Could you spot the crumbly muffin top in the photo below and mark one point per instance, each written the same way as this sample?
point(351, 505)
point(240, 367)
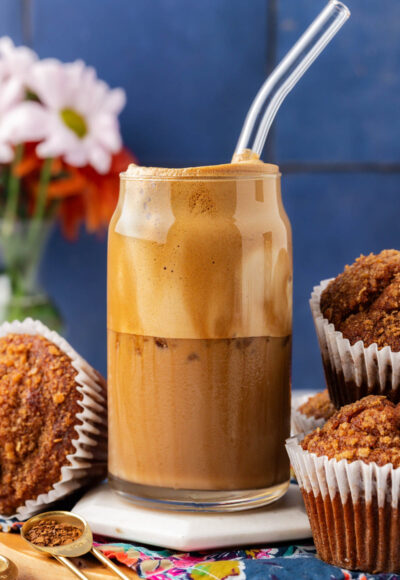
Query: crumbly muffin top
point(368, 429)
point(38, 407)
point(318, 406)
point(363, 302)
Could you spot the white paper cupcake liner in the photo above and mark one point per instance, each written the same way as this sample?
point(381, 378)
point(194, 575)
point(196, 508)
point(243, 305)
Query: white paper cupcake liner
point(89, 460)
point(352, 508)
point(301, 423)
point(353, 371)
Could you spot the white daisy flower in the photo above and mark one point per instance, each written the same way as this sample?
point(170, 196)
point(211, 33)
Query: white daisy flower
point(20, 120)
point(6, 104)
point(81, 112)
point(15, 65)
point(25, 121)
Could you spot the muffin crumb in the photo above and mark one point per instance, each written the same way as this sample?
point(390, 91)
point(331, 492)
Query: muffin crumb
point(39, 403)
point(363, 302)
point(318, 406)
point(368, 429)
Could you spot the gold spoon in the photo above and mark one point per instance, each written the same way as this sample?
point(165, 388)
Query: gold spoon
point(8, 570)
point(78, 547)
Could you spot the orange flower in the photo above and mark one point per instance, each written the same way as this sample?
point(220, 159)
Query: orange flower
point(75, 194)
point(102, 192)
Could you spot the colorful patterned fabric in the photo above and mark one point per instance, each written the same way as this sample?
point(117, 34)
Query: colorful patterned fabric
point(281, 562)
point(275, 563)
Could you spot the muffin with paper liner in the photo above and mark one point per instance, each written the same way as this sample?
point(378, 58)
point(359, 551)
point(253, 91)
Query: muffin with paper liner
point(311, 411)
point(349, 475)
point(53, 419)
point(357, 319)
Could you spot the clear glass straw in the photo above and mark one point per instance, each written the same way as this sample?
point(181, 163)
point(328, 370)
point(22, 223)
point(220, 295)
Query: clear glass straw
point(288, 72)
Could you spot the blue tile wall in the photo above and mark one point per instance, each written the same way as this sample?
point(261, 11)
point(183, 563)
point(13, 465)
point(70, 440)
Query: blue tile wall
point(347, 106)
point(335, 218)
point(11, 20)
point(190, 70)
point(74, 275)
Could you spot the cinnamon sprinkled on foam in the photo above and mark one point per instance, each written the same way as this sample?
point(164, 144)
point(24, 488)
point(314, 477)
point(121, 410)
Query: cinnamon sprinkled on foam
point(241, 169)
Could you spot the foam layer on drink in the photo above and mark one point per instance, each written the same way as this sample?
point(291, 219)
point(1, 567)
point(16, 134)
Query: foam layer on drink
point(201, 252)
point(249, 167)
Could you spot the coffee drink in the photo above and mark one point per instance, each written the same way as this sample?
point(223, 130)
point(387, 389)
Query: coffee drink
point(199, 336)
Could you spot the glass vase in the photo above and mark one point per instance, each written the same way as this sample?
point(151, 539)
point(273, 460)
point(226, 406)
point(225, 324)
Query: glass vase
point(22, 246)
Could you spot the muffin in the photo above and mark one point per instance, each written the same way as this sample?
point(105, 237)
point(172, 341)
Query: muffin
point(52, 419)
point(349, 475)
point(357, 318)
point(311, 411)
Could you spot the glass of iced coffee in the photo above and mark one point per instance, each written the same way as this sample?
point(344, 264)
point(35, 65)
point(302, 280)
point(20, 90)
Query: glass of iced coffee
point(199, 337)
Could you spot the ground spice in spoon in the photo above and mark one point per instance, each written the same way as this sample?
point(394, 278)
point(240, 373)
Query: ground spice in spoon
point(49, 533)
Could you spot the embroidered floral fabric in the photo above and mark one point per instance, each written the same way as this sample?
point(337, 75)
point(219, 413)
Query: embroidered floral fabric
point(277, 563)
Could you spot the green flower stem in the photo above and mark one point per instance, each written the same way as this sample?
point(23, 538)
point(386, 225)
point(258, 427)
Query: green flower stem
point(11, 208)
point(40, 206)
point(36, 223)
point(45, 175)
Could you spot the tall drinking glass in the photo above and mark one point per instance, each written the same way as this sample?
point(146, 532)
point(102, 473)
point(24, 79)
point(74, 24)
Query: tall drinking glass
point(199, 337)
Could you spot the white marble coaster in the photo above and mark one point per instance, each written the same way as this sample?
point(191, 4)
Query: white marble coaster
point(111, 515)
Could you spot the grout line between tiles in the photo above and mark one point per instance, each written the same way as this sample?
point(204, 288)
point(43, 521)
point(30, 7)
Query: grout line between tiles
point(26, 22)
point(292, 167)
point(272, 35)
point(298, 167)
point(271, 48)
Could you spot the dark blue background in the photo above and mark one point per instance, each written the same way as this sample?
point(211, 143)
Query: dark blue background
point(191, 69)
